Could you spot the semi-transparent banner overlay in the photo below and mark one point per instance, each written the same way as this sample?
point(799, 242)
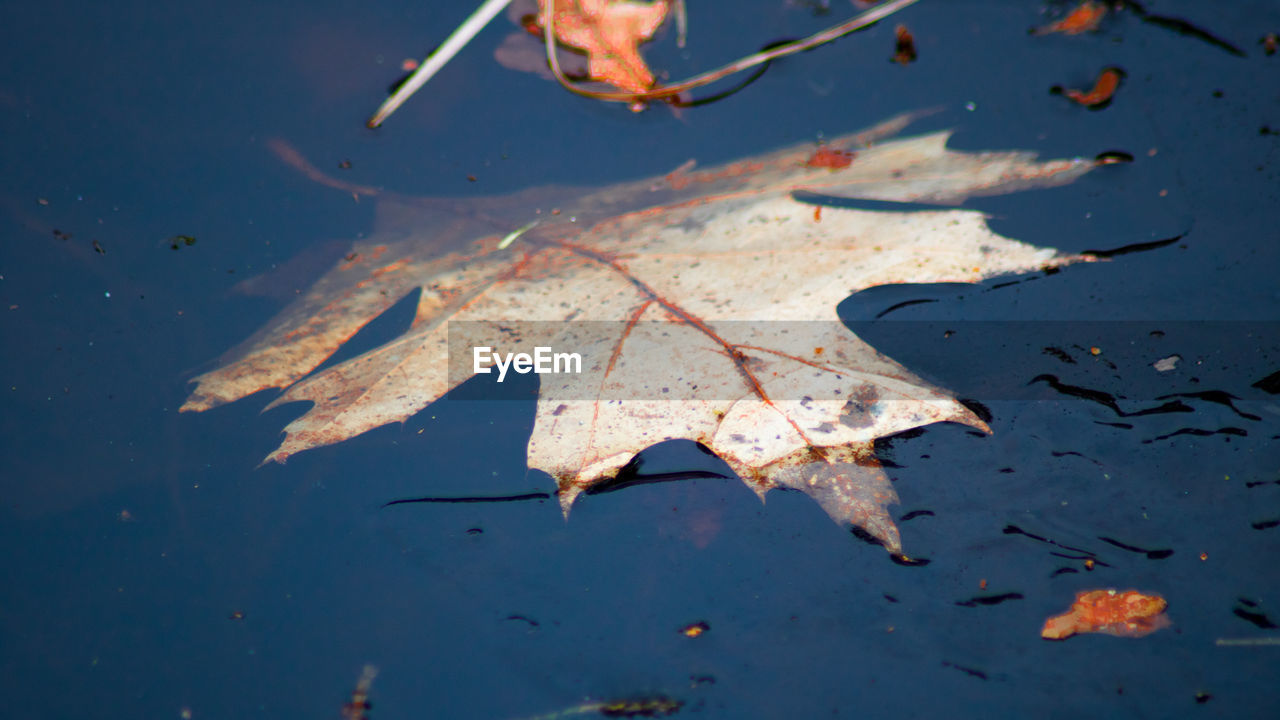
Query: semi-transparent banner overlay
point(792, 361)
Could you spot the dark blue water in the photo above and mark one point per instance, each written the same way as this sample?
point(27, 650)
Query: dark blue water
point(151, 569)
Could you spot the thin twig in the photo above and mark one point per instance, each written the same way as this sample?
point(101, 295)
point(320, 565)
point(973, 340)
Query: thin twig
point(1247, 641)
point(682, 24)
point(637, 100)
point(432, 64)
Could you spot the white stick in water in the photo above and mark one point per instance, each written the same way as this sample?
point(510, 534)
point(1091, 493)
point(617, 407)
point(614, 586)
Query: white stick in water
point(454, 43)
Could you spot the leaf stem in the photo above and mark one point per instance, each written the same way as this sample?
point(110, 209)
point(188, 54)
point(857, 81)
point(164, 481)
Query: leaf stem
point(511, 236)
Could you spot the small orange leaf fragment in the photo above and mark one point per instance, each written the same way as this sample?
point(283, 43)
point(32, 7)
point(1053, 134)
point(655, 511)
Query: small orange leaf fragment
point(1103, 89)
point(1084, 18)
point(1123, 614)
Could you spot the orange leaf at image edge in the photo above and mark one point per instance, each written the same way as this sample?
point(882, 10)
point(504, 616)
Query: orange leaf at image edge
point(610, 32)
point(1084, 18)
point(1110, 612)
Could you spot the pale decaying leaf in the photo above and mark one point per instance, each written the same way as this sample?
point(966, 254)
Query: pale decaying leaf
point(701, 286)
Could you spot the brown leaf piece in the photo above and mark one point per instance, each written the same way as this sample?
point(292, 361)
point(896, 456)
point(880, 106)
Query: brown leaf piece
point(702, 305)
point(610, 32)
point(1123, 614)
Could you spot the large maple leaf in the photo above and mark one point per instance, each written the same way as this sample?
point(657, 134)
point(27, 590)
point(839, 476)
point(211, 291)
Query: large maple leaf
point(703, 306)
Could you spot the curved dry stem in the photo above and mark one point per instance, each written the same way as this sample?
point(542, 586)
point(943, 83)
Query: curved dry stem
point(638, 100)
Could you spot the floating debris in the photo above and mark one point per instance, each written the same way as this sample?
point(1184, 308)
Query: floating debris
point(986, 600)
point(1251, 610)
point(1113, 157)
point(1182, 27)
point(1123, 614)
point(358, 707)
point(1103, 89)
point(905, 51)
point(178, 241)
point(656, 706)
point(1084, 18)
